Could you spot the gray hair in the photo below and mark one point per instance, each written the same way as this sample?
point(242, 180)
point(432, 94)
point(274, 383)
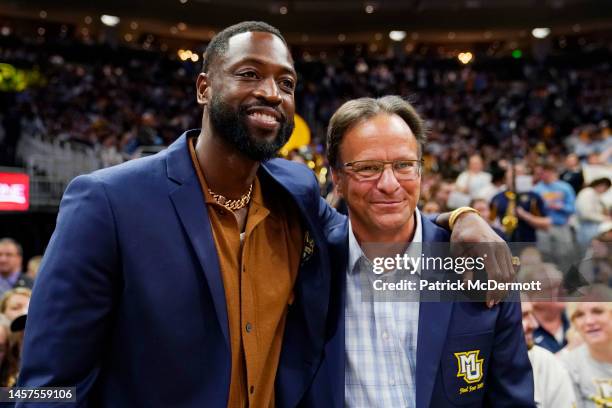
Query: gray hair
point(359, 110)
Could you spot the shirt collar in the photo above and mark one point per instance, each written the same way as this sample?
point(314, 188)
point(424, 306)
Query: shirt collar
point(355, 251)
point(12, 278)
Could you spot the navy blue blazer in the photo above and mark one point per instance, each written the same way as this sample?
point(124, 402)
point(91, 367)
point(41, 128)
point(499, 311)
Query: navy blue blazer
point(129, 304)
point(445, 328)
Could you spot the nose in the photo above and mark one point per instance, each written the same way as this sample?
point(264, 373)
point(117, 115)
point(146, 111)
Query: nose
point(589, 318)
point(268, 91)
point(387, 183)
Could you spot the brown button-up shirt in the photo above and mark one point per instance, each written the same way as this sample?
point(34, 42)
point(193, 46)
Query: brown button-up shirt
point(258, 277)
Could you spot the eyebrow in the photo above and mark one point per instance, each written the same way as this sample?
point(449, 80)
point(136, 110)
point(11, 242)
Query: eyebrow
point(258, 61)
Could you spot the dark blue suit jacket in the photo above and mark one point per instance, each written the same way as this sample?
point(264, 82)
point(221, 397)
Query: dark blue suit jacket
point(129, 304)
point(445, 328)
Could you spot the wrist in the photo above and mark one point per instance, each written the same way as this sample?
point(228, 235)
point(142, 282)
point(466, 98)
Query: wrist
point(460, 212)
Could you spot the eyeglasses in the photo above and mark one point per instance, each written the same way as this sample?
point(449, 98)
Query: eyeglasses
point(368, 170)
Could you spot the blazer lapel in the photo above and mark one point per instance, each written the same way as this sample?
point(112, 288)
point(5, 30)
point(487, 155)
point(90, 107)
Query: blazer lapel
point(314, 285)
point(303, 342)
point(336, 353)
point(434, 319)
point(188, 201)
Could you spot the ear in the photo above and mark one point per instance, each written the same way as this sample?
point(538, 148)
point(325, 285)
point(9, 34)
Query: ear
point(203, 88)
point(338, 180)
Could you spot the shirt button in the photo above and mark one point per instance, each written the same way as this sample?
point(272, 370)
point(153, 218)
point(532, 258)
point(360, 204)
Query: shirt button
point(252, 389)
point(220, 211)
point(249, 327)
point(385, 335)
point(392, 382)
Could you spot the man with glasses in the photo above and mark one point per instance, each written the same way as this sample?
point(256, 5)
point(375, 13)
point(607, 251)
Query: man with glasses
point(412, 353)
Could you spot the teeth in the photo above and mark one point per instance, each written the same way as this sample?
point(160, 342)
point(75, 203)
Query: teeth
point(264, 117)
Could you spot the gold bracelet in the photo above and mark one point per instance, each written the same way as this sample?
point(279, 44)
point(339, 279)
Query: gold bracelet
point(456, 213)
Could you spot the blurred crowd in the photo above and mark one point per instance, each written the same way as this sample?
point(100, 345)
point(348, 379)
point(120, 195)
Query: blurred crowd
point(528, 145)
point(15, 291)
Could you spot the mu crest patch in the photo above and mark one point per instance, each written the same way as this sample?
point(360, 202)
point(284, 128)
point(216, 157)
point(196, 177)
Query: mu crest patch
point(470, 366)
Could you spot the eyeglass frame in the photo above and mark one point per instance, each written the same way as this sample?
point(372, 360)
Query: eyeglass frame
point(419, 168)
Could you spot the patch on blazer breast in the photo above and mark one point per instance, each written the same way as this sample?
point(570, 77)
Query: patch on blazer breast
point(470, 368)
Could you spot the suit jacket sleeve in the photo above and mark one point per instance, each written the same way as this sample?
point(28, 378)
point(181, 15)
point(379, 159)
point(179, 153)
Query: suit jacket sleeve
point(510, 375)
point(71, 307)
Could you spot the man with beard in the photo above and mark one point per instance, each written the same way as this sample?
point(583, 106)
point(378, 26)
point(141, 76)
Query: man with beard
point(174, 280)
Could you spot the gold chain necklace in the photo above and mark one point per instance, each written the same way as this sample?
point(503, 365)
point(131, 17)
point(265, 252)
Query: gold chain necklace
point(236, 204)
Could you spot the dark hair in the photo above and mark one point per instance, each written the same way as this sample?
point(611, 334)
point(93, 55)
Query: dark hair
point(358, 110)
point(218, 45)
point(602, 181)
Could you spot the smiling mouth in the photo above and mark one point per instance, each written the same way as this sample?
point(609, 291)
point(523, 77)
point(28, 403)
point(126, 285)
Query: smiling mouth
point(264, 118)
point(386, 202)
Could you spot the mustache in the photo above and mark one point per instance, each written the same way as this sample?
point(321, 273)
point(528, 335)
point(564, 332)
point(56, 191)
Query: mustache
point(244, 108)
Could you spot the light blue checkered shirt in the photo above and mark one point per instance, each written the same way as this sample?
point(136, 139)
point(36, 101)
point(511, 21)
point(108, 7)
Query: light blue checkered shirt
point(380, 341)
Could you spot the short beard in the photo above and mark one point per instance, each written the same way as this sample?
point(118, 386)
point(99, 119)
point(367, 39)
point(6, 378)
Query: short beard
point(231, 126)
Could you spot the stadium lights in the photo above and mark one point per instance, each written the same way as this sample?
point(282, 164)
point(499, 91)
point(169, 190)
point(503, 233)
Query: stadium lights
point(465, 57)
point(540, 32)
point(110, 21)
point(369, 9)
point(397, 35)
point(185, 55)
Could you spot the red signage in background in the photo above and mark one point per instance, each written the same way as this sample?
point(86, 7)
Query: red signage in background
point(14, 192)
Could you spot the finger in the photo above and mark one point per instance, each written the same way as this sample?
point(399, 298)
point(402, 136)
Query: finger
point(510, 264)
point(468, 275)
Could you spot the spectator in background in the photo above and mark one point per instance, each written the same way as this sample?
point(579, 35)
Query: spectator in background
point(518, 213)
point(552, 383)
point(15, 302)
point(474, 180)
point(482, 206)
point(442, 193)
point(590, 365)
point(552, 325)
point(548, 311)
point(596, 266)
point(33, 265)
point(497, 185)
point(11, 259)
point(431, 207)
point(591, 210)
point(5, 334)
point(557, 242)
point(573, 172)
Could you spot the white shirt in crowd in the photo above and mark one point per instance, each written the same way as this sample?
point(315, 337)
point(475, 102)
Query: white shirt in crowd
point(552, 384)
point(592, 379)
point(473, 184)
